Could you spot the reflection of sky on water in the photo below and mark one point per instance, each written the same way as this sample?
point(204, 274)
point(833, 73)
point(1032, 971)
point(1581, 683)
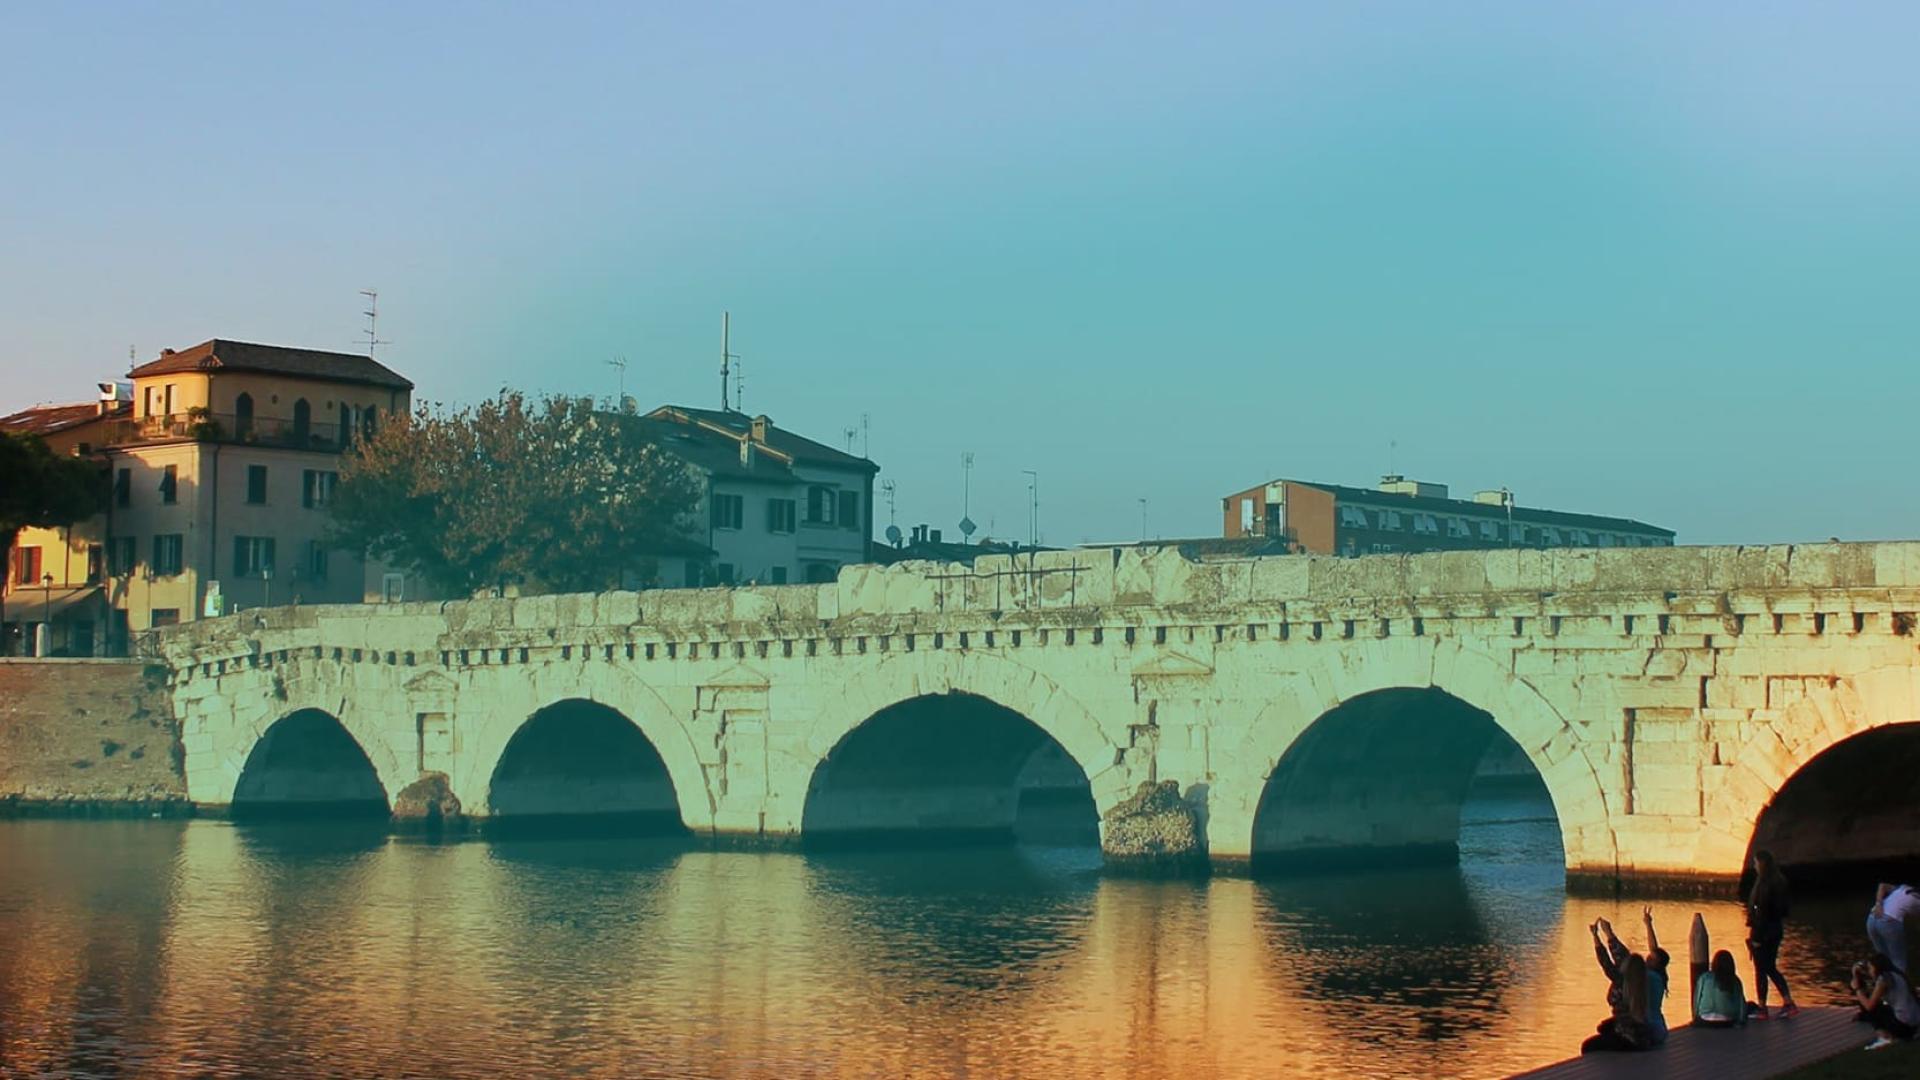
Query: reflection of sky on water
point(209, 949)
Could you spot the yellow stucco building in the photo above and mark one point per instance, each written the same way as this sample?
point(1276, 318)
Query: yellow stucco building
point(222, 465)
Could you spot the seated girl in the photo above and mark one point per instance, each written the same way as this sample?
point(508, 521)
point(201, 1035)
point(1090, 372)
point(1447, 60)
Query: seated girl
point(1718, 998)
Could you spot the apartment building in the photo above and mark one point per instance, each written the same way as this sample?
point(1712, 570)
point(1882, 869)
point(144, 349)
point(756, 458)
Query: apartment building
point(775, 507)
point(222, 464)
point(1404, 515)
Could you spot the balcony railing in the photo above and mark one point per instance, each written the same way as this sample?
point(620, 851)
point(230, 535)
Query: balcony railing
point(227, 428)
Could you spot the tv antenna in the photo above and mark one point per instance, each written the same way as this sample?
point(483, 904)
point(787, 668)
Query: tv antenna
point(866, 435)
point(851, 433)
point(621, 363)
point(1033, 507)
point(967, 526)
point(727, 357)
point(1143, 518)
point(373, 320)
point(887, 489)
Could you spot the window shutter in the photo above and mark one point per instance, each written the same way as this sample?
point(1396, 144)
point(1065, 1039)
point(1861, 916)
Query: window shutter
point(850, 510)
point(239, 555)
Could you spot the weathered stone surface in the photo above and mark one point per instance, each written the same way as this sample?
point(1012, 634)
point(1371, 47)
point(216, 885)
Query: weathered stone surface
point(1155, 829)
point(428, 804)
point(1664, 695)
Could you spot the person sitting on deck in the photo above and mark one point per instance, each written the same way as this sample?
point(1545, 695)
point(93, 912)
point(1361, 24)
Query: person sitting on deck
point(1612, 955)
point(1627, 1028)
point(1718, 998)
point(1887, 1001)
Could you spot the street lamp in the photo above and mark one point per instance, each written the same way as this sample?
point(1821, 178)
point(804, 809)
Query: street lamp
point(46, 614)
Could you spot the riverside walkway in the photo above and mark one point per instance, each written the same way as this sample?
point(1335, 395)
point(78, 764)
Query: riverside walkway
point(1757, 1050)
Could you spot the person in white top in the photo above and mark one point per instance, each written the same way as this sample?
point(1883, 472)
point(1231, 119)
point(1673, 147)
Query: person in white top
point(1887, 922)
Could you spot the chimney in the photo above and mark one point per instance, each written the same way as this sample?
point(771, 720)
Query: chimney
point(760, 426)
point(934, 536)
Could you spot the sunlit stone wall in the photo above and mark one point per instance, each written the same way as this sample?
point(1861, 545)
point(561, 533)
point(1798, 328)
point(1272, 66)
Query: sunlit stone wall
point(1664, 695)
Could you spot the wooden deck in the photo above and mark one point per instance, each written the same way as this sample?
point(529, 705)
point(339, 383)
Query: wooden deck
point(1767, 1048)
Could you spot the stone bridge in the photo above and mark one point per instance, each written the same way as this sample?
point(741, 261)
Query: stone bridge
point(1680, 705)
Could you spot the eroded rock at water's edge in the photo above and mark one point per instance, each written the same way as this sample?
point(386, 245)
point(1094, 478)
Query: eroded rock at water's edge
point(1154, 831)
point(428, 805)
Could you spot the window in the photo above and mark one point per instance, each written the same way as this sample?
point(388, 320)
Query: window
point(1516, 533)
point(819, 573)
point(1425, 523)
point(820, 506)
point(1353, 517)
point(1605, 539)
point(256, 484)
point(96, 564)
point(26, 567)
point(850, 511)
point(165, 616)
point(167, 399)
point(252, 556)
point(724, 573)
point(780, 515)
point(728, 511)
point(1581, 537)
point(369, 420)
point(1549, 537)
point(167, 551)
point(393, 588)
point(316, 487)
point(1489, 531)
point(316, 561)
point(1457, 528)
point(1390, 519)
point(122, 553)
point(170, 485)
point(302, 423)
point(123, 488)
point(778, 575)
point(243, 415)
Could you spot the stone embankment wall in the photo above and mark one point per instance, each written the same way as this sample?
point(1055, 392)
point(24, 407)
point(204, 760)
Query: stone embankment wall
point(88, 736)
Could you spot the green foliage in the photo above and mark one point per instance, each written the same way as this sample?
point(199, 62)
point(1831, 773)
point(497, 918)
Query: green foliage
point(41, 489)
point(547, 495)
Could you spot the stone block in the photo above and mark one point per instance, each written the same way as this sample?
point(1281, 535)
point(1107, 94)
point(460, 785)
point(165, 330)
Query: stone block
point(1280, 577)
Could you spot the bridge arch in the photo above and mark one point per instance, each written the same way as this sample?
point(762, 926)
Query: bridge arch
point(1310, 712)
point(580, 761)
point(493, 711)
point(306, 764)
point(1827, 785)
point(1034, 724)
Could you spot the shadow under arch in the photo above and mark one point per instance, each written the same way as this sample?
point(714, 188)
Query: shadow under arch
point(306, 765)
point(1380, 780)
point(578, 766)
point(943, 769)
point(1849, 815)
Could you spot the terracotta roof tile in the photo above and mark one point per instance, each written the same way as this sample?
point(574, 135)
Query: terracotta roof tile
point(222, 355)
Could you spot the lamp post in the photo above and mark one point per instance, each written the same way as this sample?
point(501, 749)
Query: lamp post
point(46, 614)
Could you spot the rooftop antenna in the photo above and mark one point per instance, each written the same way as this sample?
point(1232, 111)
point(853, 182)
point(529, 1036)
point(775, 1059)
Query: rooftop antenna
point(967, 526)
point(850, 433)
point(866, 433)
point(739, 384)
point(621, 363)
point(373, 320)
point(1143, 518)
point(887, 489)
point(1033, 507)
point(726, 358)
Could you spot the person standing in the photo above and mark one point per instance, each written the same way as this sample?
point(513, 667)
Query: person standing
point(1887, 922)
point(1767, 907)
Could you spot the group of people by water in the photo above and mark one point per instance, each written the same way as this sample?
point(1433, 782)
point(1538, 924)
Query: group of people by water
point(1637, 983)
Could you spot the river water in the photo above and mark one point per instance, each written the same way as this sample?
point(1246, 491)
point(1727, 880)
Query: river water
point(203, 948)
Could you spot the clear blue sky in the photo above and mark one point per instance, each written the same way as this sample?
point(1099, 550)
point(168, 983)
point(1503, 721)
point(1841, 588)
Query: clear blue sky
point(1658, 260)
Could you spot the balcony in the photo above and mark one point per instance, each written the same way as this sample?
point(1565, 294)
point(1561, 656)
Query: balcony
point(225, 428)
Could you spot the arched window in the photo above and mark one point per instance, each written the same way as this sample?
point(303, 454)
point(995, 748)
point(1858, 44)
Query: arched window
point(368, 420)
point(302, 422)
point(243, 415)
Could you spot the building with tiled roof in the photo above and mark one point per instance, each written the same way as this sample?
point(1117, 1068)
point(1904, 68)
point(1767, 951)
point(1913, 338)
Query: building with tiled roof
point(776, 506)
point(223, 465)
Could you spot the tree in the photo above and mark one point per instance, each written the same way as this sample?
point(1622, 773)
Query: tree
point(548, 495)
point(40, 489)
